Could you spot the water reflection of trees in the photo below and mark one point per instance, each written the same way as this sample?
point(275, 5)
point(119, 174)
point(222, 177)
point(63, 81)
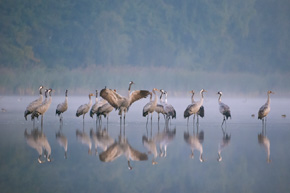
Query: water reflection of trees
point(195, 141)
point(37, 140)
point(122, 147)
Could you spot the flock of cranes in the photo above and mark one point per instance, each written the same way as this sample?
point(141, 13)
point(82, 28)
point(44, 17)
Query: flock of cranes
point(112, 100)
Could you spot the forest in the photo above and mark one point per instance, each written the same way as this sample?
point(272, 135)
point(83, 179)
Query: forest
point(81, 45)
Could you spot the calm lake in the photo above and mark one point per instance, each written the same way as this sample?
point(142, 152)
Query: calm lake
point(241, 157)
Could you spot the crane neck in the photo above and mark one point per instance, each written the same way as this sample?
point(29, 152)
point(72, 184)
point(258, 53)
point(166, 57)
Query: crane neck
point(165, 98)
point(220, 100)
point(90, 100)
point(192, 98)
point(268, 100)
point(129, 89)
point(161, 98)
point(155, 97)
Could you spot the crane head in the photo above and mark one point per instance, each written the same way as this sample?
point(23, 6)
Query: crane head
point(219, 92)
point(270, 92)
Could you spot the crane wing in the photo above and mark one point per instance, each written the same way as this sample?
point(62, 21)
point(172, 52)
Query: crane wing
point(112, 97)
point(136, 155)
point(137, 95)
point(112, 153)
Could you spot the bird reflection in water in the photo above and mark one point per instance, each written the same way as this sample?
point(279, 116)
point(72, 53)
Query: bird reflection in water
point(85, 139)
point(150, 144)
point(224, 143)
point(62, 140)
point(101, 138)
point(122, 147)
point(265, 142)
point(163, 138)
point(38, 141)
point(195, 142)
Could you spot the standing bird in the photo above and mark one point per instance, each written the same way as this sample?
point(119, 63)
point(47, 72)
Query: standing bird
point(194, 108)
point(149, 108)
point(201, 109)
point(168, 108)
point(160, 107)
point(96, 105)
point(62, 107)
point(34, 104)
point(123, 103)
point(83, 109)
point(104, 110)
point(41, 109)
point(265, 109)
point(224, 109)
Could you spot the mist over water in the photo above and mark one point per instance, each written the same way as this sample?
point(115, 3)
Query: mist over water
point(244, 166)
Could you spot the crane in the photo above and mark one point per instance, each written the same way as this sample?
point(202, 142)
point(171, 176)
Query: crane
point(194, 108)
point(224, 109)
point(62, 107)
point(83, 109)
point(123, 103)
point(34, 104)
point(265, 109)
point(41, 109)
point(149, 108)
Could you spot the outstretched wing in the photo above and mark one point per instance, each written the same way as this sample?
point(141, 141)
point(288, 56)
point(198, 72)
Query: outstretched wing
point(112, 153)
point(137, 95)
point(112, 97)
point(136, 155)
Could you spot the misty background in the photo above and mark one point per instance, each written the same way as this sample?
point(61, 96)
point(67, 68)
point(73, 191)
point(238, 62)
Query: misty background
point(240, 47)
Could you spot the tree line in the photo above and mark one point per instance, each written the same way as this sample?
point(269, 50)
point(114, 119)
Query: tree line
point(225, 35)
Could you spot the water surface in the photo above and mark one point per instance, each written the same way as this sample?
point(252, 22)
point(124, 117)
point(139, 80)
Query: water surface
point(251, 159)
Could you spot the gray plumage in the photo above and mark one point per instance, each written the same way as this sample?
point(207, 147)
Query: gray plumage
point(34, 104)
point(105, 109)
point(187, 112)
point(265, 109)
point(62, 107)
point(149, 108)
point(41, 109)
point(123, 103)
point(83, 109)
point(168, 108)
point(160, 108)
point(95, 106)
point(223, 108)
point(195, 107)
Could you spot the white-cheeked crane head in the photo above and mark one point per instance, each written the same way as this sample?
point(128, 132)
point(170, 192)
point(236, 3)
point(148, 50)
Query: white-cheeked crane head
point(220, 93)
